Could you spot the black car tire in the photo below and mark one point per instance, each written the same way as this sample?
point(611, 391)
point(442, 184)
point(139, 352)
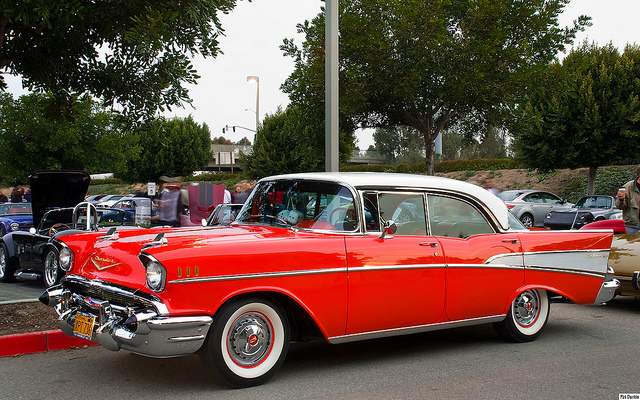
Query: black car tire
point(51, 272)
point(527, 220)
point(6, 267)
point(247, 342)
point(527, 317)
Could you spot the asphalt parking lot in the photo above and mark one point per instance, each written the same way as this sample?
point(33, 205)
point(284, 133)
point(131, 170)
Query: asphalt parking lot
point(21, 291)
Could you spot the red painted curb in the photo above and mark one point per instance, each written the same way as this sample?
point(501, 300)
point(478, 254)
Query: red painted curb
point(37, 342)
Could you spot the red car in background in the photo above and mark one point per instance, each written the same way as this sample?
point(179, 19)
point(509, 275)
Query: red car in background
point(333, 257)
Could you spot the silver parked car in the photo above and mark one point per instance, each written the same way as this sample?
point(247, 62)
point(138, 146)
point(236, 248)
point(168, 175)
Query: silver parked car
point(531, 206)
point(587, 210)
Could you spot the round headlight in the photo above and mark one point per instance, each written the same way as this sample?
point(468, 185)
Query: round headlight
point(155, 276)
point(66, 259)
point(14, 226)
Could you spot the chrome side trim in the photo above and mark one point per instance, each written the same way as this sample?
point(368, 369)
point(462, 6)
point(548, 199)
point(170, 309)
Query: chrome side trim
point(415, 329)
point(367, 268)
point(566, 271)
point(278, 274)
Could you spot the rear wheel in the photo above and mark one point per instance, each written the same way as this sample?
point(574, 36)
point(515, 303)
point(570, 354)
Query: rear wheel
point(248, 342)
point(6, 270)
point(52, 271)
point(527, 220)
point(527, 316)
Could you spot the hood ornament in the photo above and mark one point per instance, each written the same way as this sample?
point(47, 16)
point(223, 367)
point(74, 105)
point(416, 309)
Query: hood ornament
point(98, 263)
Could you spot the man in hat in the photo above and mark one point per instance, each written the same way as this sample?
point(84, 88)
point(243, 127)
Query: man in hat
point(628, 200)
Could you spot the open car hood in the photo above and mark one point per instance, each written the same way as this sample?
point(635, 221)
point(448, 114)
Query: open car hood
point(56, 189)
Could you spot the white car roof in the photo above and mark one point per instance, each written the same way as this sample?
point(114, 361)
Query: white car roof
point(381, 180)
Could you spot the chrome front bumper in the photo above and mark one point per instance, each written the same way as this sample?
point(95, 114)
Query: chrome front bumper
point(608, 288)
point(141, 330)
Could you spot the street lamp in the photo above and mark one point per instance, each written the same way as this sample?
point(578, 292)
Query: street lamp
point(257, 81)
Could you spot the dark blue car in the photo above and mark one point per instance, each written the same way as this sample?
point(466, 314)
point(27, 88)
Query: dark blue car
point(14, 217)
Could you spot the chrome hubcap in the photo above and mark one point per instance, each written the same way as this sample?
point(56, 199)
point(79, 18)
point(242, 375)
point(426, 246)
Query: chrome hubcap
point(526, 308)
point(50, 269)
point(3, 262)
point(249, 339)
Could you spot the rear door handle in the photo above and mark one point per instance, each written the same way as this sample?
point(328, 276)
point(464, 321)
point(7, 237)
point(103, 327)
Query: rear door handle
point(432, 244)
point(512, 241)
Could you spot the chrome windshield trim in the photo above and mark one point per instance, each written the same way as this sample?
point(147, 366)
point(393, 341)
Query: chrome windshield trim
point(415, 329)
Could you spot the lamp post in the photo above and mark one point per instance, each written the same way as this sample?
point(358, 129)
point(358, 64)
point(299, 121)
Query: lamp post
point(257, 81)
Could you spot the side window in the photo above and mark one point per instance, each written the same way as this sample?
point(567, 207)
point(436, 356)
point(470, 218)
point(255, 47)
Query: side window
point(548, 198)
point(407, 210)
point(455, 218)
point(534, 198)
point(371, 215)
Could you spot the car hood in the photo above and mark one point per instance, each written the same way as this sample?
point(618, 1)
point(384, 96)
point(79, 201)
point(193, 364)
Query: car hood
point(116, 259)
point(56, 189)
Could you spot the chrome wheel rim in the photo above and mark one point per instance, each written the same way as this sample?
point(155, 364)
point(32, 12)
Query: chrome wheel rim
point(50, 269)
point(250, 339)
point(526, 308)
point(3, 262)
point(527, 221)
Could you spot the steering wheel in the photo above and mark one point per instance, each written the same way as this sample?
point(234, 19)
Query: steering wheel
point(346, 211)
point(55, 228)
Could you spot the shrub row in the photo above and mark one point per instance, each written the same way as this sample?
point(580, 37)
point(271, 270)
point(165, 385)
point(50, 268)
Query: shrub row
point(444, 166)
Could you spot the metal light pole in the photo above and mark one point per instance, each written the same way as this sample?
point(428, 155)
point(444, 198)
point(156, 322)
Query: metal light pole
point(331, 86)
point(257, 81)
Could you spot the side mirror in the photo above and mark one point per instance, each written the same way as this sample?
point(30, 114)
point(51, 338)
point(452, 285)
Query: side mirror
point(388, 228)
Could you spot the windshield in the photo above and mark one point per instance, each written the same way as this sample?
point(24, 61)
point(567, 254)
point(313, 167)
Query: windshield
point(594, 202)
point(304, 204)
point(15, 208)
point(509, 195)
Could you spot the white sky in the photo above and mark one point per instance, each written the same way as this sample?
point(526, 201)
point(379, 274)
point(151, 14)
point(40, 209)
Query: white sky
point(254, 31)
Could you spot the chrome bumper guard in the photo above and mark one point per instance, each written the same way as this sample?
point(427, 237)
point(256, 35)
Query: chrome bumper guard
point(140, 331)
point(608, 288)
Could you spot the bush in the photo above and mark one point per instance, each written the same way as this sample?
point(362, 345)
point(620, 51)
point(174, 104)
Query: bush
point(476, 165)
point(368, 168)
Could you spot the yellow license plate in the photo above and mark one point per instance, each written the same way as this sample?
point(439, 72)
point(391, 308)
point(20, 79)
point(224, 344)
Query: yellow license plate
point(84, 325)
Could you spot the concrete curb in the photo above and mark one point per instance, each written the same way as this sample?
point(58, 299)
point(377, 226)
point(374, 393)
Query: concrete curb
point(38, 342)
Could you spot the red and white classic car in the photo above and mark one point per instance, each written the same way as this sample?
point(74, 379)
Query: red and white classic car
point(333, 257)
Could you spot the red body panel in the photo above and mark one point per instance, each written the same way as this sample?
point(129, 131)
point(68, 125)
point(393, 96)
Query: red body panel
point(348, 284)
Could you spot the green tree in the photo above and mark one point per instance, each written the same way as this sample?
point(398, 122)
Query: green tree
point(174, 147)
point(244, 142)
point(134, 53)
point(587, 113)
point(221, 140)
point(423, 63)
point(283, 145)
point(33, 136)
point(399, 145)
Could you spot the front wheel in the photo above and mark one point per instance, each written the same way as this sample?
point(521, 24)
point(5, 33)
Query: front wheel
point(248, 342)
point(52, 271)
point(527, 317)
point(6, 270)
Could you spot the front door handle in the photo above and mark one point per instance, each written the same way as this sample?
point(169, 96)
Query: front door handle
point(512, 241)
point(432, 244)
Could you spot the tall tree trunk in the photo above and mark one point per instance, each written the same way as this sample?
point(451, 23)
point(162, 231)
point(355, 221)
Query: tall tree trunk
point(591, 182)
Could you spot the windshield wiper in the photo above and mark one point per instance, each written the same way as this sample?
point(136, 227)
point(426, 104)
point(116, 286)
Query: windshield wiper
point(275, 218)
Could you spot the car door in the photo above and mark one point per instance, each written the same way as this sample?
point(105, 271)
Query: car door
point(397, 280)
point(483, 267)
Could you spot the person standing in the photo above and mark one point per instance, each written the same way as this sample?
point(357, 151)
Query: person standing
point(16, 194)
point(628, 200)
